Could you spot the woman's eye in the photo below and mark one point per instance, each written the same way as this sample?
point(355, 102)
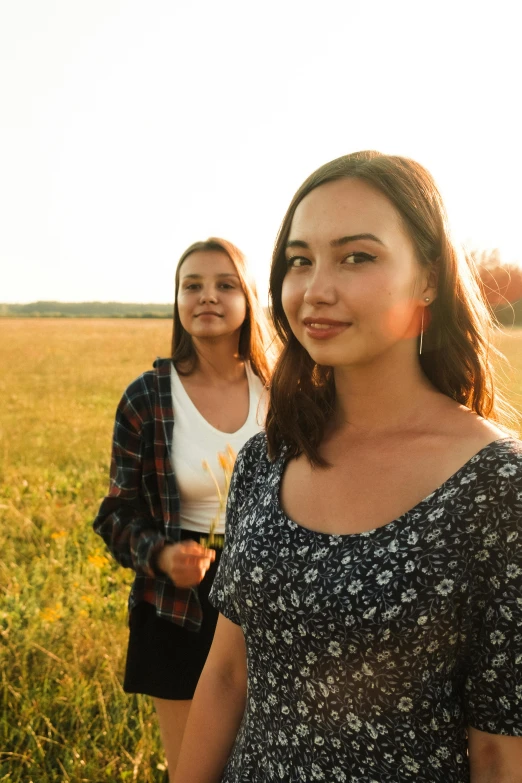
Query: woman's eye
point(297, 261)
point(192, 287)
point(227, 286)
point(359, 258)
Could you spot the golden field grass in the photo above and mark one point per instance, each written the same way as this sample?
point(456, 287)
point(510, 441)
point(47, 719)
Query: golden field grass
point(64, 716)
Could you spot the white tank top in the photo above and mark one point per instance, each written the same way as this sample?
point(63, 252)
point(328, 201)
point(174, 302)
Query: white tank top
point(195, 440)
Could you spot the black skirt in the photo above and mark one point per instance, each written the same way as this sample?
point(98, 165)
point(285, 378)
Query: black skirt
point(163, 658)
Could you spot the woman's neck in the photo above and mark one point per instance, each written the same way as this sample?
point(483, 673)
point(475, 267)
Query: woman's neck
point(218, 361)
point(383, 396)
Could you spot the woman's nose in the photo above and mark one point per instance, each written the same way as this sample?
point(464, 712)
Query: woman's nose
point(208, 295)
point(320, 287)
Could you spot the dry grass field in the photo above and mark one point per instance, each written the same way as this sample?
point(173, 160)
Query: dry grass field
point(64, 716)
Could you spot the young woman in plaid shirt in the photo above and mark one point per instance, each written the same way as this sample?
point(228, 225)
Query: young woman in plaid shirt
point(171, 421)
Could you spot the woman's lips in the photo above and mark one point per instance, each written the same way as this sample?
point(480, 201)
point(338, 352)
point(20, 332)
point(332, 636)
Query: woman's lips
point(324, 328)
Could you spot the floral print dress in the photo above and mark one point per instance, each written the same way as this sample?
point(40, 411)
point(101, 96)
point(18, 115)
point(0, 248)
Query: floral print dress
point(369, 654)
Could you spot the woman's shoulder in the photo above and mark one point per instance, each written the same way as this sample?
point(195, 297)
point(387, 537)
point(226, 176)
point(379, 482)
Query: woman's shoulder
point(250, 467)
point(491, 447)
point(140, 391)
point(253, 451)
point(501, 463)
point(146, 380)
point(495, 473)
point(252, 461)
point(501, 452)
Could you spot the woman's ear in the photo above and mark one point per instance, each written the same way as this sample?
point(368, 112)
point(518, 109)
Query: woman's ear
point(432, 277)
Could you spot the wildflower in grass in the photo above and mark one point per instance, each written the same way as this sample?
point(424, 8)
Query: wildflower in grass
point(98, 560)
point(59, 534)
point(51, 613)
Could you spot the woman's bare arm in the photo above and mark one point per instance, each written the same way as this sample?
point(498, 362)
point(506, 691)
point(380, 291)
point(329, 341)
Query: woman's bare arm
point(217, 708)
point(494, 758)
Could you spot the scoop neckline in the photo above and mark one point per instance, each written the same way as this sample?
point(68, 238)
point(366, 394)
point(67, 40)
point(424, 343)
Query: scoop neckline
point(200, 416)
point(387, 525)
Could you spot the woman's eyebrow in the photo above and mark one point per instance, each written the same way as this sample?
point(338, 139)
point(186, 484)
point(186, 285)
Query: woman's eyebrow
point(345, 240)
point(297, 243)
point(195, 276)
point(336, 242)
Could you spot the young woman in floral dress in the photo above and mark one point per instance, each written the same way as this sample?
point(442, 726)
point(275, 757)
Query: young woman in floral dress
point(370, 590)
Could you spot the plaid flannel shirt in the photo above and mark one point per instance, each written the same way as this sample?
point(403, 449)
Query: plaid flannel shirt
point(140, 514)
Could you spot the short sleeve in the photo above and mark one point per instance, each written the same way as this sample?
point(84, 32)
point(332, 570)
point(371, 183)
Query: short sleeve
point(240, 496)
point(493, 690)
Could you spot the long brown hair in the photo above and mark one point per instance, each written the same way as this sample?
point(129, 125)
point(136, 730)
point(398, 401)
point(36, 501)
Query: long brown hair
point(253, 337)
point(457, 350)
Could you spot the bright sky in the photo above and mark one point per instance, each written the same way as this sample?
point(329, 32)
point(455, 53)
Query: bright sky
point(130, 129)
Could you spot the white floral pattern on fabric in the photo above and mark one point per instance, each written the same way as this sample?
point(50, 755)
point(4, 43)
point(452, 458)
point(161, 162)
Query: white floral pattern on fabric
point(369, 654)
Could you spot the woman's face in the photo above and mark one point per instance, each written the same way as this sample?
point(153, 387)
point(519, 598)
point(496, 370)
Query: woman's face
point(353, 287)
point(211, 302)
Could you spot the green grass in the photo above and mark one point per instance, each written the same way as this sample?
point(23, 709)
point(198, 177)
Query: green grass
point(64, 716)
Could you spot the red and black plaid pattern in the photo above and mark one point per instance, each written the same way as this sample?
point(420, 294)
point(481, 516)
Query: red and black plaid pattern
point(140, 514)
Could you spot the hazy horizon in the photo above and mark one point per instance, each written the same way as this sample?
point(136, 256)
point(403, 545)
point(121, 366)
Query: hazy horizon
point(87, 301)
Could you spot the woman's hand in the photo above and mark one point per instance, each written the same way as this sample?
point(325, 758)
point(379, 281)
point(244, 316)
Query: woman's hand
point(185, 563)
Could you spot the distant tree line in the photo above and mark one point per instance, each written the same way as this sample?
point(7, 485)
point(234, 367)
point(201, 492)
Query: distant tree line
point(86, 310)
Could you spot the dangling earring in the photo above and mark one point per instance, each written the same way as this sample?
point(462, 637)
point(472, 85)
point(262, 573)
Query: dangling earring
point(426, 299)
